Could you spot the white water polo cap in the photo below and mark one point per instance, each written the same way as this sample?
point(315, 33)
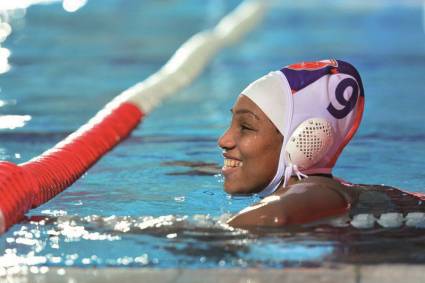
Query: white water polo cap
point(317, 107)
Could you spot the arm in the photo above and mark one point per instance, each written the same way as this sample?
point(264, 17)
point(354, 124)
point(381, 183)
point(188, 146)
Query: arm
point(300, 204)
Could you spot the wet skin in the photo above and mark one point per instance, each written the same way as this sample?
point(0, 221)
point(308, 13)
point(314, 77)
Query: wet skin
point(301, 202)
point(251, 148)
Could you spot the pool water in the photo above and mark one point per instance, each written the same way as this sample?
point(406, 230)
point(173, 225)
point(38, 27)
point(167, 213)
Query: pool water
point(156, 199)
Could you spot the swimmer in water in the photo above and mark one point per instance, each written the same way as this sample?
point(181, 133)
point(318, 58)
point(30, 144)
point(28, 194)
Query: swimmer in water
point(287, 131)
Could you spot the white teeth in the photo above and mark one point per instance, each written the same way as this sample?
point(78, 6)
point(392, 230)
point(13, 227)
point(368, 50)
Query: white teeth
point(232, 163)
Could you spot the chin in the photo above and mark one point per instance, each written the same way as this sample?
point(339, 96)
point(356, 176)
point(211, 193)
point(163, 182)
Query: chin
point(231, 188)
point(237, 190)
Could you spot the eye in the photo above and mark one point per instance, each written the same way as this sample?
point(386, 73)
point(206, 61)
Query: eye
point(245, 127)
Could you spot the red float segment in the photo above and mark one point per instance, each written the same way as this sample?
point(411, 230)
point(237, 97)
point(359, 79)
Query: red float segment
point(35, 182)
point(62, 165)
point(16, 191)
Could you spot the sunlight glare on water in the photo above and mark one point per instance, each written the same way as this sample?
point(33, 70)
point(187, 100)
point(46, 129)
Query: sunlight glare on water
point(4, 58)
point(73, 5)
point(13, 121)
point(12, 9)
point(21, 4)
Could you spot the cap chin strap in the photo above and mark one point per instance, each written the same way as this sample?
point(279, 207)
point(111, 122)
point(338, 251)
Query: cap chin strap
point(286, 172)
point(277, 179)
point(292, 168)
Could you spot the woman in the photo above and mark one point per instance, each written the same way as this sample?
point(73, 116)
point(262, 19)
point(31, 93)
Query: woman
point(287, 131)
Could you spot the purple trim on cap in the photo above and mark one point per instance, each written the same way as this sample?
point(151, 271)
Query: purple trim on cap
point(299, 79)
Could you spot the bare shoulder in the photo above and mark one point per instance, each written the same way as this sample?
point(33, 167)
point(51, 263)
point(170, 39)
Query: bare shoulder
point(300, 203)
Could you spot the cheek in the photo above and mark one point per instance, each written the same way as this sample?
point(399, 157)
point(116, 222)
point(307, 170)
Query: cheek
point(255, 144)
point(260, 160)
point(267, 161)
point(260, 149)
point(250, 149)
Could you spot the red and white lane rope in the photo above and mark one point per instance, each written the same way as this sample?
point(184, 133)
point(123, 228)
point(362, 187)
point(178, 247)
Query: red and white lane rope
point(31, 184)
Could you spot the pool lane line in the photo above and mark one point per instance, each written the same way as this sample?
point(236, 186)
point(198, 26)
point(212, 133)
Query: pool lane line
point(33, 183)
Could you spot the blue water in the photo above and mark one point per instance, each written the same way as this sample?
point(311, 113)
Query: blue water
point(137, 206)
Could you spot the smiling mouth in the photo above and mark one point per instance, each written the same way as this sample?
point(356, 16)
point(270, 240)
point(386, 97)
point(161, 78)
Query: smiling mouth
point(232, 163)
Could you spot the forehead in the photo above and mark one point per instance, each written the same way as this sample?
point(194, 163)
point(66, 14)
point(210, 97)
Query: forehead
point(244, 105)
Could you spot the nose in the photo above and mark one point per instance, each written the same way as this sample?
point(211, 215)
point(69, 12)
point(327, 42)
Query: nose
point(226, 141)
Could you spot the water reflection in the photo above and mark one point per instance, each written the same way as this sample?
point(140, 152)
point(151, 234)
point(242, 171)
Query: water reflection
point(9, 11)
point(198, 241)
point(73, 5)
point(13, 121)
point(12, 11)
point(4, 57)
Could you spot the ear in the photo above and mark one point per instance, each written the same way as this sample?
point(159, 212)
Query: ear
point(310, 141)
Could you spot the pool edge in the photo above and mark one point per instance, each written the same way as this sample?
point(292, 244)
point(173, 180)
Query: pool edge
point(346, 273)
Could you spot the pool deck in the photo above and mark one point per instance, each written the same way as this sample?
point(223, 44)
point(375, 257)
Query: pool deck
point(387, 273)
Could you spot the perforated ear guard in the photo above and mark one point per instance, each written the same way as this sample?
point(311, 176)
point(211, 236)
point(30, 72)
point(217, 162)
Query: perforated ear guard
point(310, 141)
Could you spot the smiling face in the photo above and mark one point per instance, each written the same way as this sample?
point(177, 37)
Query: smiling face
point(251, 148)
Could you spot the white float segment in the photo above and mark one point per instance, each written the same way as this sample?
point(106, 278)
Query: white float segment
point(391, 220)
point(191, 58)
point(363, 221)
point(414, 219)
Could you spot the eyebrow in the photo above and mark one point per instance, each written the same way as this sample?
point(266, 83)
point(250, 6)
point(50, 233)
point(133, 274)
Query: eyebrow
point(244, 111)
